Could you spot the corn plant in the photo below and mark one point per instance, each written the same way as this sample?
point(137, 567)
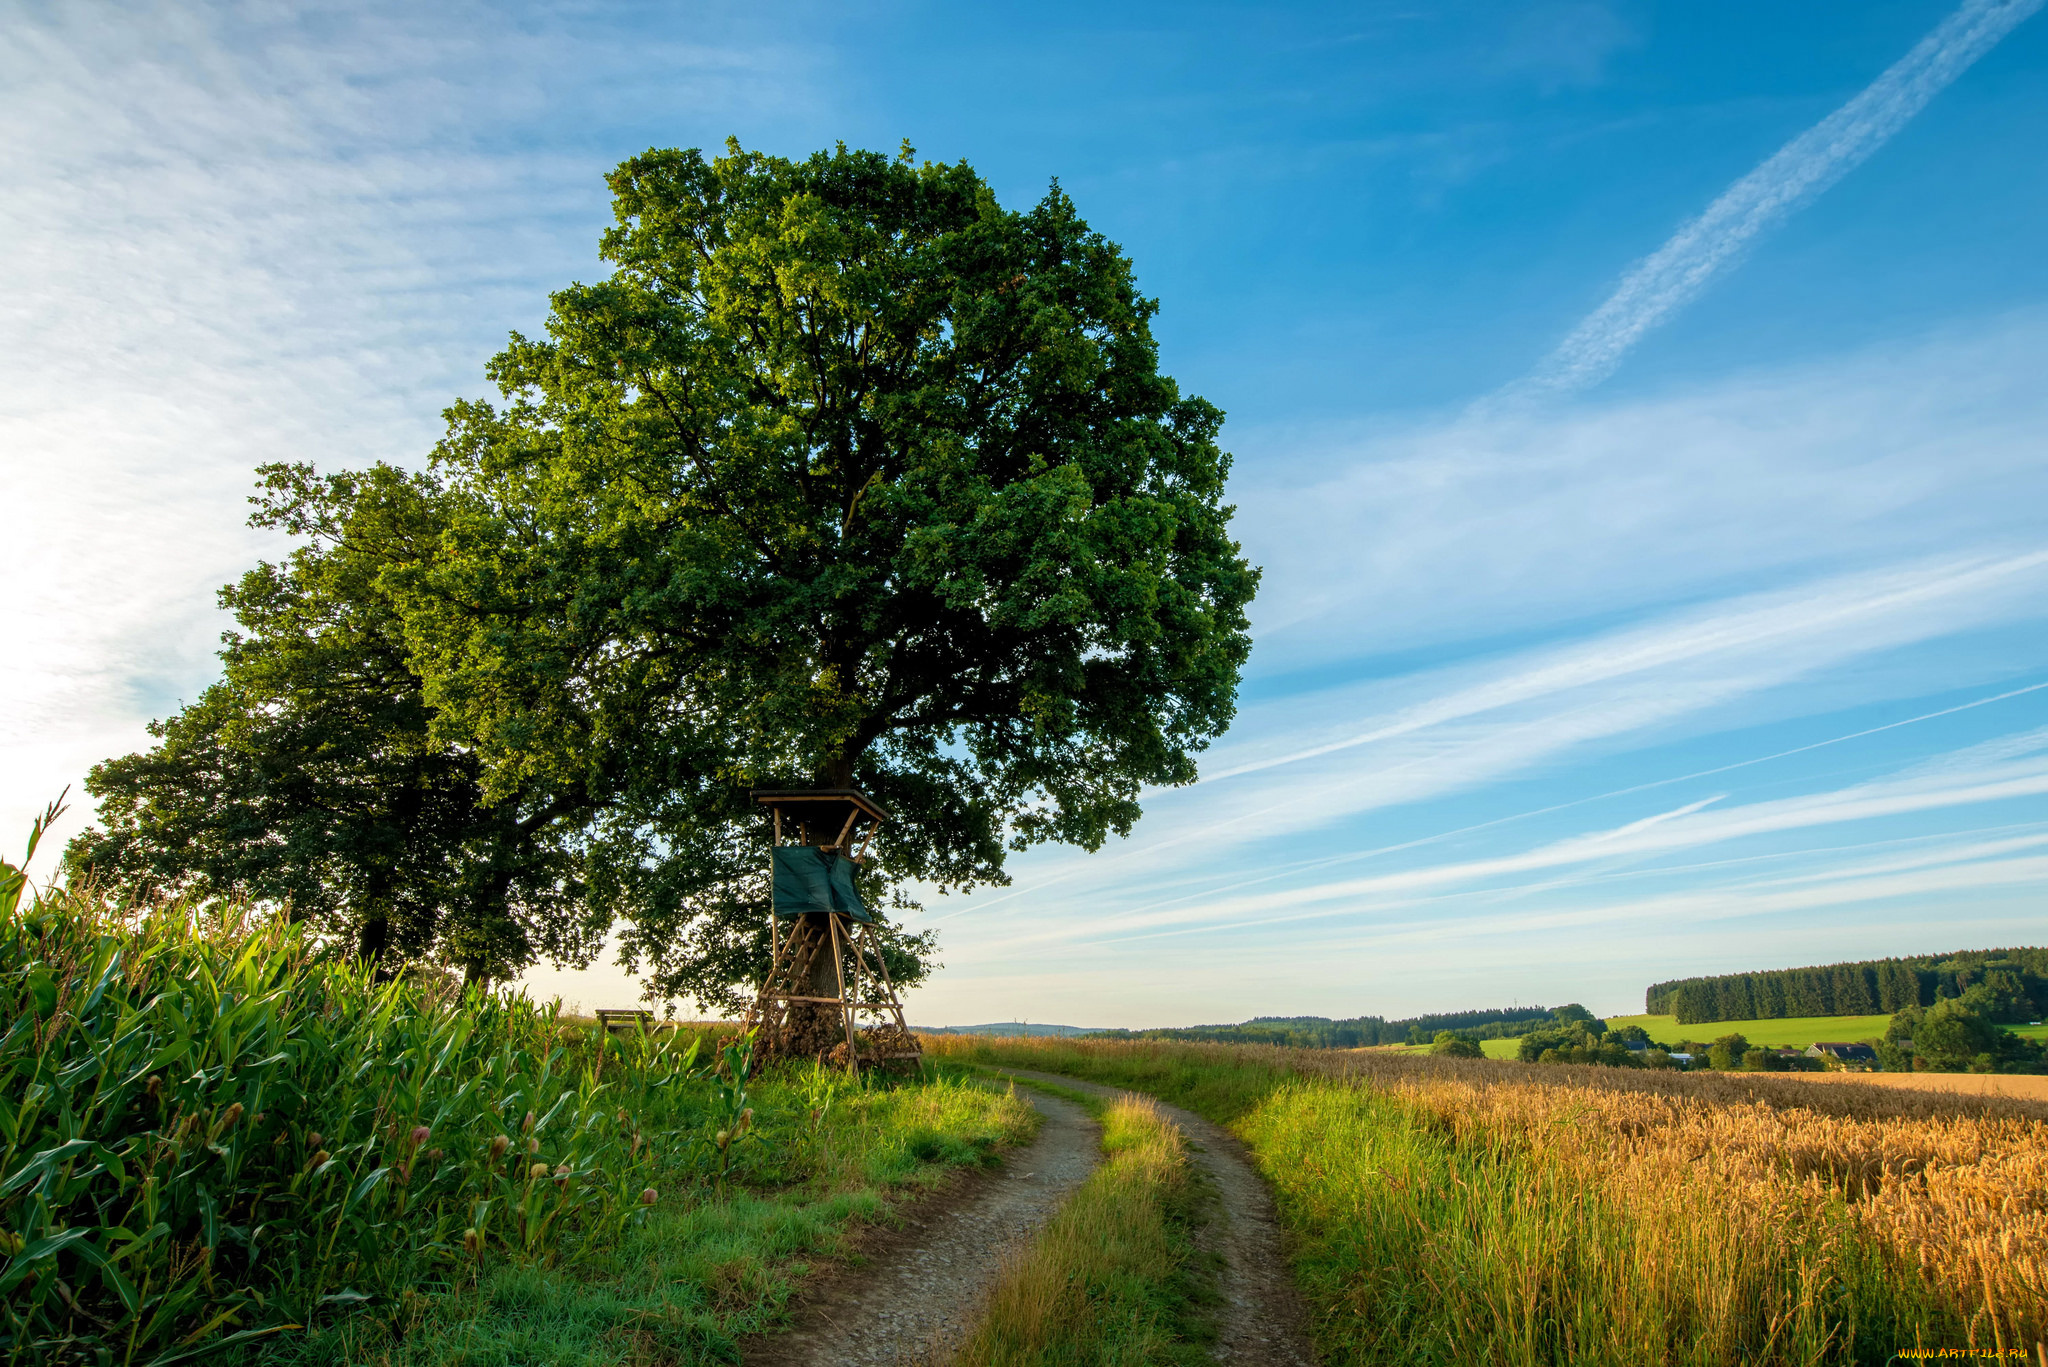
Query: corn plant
point(732, 1120)
point(211, 1131)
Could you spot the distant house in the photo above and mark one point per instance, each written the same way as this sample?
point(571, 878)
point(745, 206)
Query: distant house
point(1852, 1056)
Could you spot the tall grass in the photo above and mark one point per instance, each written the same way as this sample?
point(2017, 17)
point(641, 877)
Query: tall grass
point(1111, 1277)
point(209, 1134)
point(1487, 1212)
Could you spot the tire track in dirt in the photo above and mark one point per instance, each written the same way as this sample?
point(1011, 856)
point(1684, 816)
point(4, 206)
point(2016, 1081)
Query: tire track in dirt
point(919, 1290)
point(1265, 1320)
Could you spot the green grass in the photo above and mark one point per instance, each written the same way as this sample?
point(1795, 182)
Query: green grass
point(2039, 1032)
point(1790, 1032)
point(1115, 1278)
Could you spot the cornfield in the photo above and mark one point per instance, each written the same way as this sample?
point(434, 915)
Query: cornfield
point(209, 1133)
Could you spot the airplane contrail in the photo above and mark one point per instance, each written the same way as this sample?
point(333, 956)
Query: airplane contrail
point(1801, 170)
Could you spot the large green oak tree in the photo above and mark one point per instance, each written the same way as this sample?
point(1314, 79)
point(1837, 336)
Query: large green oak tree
point(844, 475)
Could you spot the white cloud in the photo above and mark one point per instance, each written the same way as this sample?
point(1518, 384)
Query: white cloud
point(1315, 762)
point(1846, 888)
point(1694, 826)
point(1799, 629)
point(252, 232)
point(1676, 273)
point(1398, 539)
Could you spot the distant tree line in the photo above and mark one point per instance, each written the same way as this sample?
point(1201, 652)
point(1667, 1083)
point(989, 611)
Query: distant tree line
point(1321, 1032)
point(1960, 1034)
point(1866, 988)
point(1590, 1041)
point(1957, 1034)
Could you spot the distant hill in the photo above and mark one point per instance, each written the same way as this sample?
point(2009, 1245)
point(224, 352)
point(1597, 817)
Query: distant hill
point(1310, 1032)
point(1013, 1028)
point(1322, 1032)
point(1860, 988)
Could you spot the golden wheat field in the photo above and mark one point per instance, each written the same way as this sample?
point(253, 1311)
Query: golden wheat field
point(1955, 1187)
point(1963, 1197)
point(2028, 1086)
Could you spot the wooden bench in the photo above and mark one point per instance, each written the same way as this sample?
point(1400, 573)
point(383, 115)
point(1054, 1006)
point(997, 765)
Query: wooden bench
point(625, 1020)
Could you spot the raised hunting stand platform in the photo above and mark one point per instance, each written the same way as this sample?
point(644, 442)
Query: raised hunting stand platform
point(827, 995)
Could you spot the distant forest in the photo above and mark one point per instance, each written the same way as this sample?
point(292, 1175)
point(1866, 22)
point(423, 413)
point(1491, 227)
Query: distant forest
point(1866, 988)
point(1321, 1032)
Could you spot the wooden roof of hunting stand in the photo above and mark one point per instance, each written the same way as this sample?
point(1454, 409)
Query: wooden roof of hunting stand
point(827, 972)
point(826, 817)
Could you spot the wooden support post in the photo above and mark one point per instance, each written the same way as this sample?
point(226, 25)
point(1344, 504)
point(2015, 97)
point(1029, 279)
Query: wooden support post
point(853, 987)
point(839, 976)
point(847, 829)
point(895, 998)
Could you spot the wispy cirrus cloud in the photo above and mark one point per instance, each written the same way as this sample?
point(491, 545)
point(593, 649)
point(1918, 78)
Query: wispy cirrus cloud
point(1972, 869)
point(1816, 622)
point(1675, 274)
point(1705, 824)
point(1397, 537)
point(1597, 936)
point(1315, 761)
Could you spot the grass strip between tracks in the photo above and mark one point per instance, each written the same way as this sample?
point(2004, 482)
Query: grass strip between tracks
point(1117, 1275)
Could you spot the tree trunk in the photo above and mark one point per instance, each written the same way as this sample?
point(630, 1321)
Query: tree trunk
point(814, 1029)
point(374, 936)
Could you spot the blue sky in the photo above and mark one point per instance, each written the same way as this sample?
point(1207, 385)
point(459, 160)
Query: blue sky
point(1650, 486)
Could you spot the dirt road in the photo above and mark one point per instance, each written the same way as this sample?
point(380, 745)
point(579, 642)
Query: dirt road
point(920, 1289)
point(1264, 1321)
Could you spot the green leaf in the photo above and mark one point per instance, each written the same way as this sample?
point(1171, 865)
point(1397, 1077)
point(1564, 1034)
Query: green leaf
point(39, 1166)
point(364, 1188)
point(42, 1250)
point(236, 1339)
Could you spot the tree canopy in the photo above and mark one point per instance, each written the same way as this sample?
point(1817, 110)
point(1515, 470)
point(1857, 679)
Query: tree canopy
point(309, 776)
point(843, 475)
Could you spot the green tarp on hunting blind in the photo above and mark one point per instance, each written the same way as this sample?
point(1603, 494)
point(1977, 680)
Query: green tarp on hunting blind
point(808, 879)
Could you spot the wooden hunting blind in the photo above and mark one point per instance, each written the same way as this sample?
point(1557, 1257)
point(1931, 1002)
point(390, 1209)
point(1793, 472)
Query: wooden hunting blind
point(827, 994)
